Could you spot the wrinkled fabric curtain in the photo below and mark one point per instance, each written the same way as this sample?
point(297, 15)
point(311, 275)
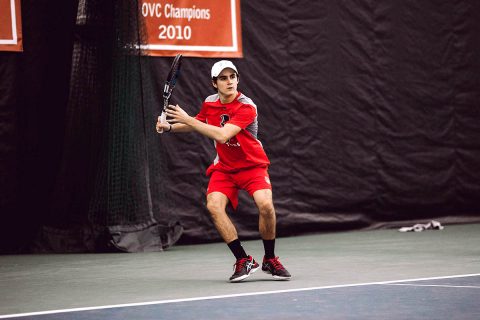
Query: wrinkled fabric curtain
point(369, 112)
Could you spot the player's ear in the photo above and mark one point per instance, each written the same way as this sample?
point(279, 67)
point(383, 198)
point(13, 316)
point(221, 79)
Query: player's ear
point(214, 84)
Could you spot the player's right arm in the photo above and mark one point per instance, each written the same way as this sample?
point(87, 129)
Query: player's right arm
point(169, 126)
point(165, 127)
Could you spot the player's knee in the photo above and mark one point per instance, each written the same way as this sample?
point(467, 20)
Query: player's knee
point(214, 207)
point(266, 208)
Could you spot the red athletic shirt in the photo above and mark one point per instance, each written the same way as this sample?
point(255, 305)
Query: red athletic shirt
point(243, 150)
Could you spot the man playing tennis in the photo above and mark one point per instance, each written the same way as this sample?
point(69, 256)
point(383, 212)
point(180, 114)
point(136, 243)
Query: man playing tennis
point(230, 119)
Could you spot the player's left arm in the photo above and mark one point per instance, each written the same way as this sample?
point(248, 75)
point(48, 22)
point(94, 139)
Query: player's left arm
point(219, 134)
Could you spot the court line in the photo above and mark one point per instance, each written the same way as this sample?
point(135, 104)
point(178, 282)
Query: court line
point(430, 285)
point(391, 282)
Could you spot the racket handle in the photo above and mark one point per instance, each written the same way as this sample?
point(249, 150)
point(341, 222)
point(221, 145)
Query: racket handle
point(163, 119)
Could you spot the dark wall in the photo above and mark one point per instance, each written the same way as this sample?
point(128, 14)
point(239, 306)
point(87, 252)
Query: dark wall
point(33, 96)
point(369, 112)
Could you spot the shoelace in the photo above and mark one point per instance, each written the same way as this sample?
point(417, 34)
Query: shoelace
point(239, 264)
point(276, 264)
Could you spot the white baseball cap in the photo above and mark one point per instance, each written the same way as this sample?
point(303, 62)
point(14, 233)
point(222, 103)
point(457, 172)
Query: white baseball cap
point(220, 65)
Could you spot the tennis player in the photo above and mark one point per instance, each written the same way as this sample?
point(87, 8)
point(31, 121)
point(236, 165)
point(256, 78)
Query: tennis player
point(230, 119)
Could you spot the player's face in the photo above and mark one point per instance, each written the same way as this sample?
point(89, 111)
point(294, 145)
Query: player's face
point(226, 83)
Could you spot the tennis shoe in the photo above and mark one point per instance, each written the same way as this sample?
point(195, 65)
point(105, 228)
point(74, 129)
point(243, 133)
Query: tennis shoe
point(275, 268)
point(243, 269)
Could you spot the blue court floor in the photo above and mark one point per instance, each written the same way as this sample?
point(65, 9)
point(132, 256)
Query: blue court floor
point(455, 297)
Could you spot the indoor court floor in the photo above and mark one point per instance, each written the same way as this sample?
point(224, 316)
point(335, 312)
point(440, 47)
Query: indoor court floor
point(377, 274)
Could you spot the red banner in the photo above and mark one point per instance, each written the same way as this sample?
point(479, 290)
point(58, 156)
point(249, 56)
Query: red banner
point(207, 28)
point(10, 26)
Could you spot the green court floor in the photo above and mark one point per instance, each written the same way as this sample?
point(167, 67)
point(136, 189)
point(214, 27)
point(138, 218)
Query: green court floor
point(36, 283)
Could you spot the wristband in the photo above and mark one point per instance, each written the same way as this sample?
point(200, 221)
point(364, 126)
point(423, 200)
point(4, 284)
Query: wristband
point(169, 129)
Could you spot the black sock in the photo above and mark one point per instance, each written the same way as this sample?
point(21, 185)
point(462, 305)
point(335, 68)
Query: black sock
point(269, 246)
point(237, 249)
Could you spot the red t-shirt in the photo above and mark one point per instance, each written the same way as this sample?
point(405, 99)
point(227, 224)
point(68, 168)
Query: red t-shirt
point(243, 150)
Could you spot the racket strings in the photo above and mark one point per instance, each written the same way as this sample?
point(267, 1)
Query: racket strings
point(171, 81)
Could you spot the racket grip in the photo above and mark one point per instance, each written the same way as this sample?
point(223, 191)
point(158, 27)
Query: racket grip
point(163, 119)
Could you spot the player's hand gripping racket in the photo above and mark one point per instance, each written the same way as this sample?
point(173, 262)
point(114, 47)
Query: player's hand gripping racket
point(169, 85)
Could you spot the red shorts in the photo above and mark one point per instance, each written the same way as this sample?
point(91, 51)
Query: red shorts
point(250, 180)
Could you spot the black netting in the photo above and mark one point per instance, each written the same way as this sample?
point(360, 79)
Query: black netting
point(104, 183)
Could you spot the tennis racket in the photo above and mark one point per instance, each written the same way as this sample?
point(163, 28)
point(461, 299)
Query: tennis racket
point(172, 78)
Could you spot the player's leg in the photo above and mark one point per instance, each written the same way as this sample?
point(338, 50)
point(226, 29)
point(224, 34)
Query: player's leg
point(267, 220)
point(267, 226)
point(216, 205)
point(220, 193)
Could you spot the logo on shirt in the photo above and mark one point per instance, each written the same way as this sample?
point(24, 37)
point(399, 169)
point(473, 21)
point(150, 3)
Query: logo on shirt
point(233, 142)
point(224, 119)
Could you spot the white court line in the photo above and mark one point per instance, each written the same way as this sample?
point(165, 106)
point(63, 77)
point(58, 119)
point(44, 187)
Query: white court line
point(430, 285)
point(16, 315)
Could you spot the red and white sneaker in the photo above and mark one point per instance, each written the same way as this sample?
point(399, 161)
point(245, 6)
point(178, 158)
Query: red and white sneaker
point(243, 269)
point(275, 268)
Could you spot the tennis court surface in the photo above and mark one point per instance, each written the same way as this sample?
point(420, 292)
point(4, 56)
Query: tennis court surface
point(380, 274)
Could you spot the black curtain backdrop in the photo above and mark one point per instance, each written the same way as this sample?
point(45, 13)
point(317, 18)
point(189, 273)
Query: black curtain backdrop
point(369, 112)
point(33, 97)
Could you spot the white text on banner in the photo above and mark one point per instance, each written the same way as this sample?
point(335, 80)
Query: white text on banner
point(207, 28)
